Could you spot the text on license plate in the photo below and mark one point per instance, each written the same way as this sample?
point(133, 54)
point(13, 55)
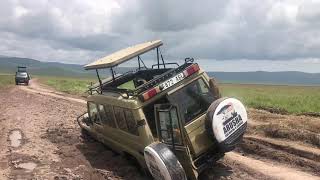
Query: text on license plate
point(232, 125)
point(170, 82)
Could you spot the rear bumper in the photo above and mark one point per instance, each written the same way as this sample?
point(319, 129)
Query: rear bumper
point(22, 80)
point(207, 159)
point(215, 153)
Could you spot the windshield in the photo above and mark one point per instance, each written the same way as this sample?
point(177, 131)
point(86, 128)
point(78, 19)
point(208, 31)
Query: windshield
point(22, 74)
point(193, 100)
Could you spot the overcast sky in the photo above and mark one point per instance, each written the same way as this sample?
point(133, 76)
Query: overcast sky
point(235, 35)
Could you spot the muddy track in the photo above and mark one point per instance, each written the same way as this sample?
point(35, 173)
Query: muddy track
point(51, 145)
point(264, 150)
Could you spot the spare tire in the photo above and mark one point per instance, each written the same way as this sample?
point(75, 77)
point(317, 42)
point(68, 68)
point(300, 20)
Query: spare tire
point(162, 163)
point(226, 122)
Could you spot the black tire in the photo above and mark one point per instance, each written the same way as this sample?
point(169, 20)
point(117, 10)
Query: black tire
point(162, 163)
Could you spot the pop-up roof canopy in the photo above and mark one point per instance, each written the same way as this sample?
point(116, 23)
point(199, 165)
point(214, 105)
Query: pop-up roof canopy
point(123, 55)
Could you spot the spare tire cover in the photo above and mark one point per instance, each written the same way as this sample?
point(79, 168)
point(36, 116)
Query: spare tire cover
point(162, 163)
point(227, 122)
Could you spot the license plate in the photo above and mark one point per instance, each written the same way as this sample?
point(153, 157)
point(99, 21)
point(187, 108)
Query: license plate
point(170, 82)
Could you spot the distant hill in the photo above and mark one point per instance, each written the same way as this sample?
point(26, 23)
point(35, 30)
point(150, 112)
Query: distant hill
point(262, 77)
point(35, 67)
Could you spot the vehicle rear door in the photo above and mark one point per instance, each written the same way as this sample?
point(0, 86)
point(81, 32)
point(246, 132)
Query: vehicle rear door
point(169, 130)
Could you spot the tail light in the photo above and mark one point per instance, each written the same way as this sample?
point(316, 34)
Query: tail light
point(191, 70)
point(150, 93)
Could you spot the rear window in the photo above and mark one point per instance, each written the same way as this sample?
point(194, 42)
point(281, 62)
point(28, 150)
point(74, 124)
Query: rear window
point(22, 74)
point(193, 100)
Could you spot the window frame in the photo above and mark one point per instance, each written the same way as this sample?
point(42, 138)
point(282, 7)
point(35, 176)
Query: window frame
point(136, 132)
point(98, 114)
point(115, 109)
point(110, 119)
point(159, 130)
point(127, 130)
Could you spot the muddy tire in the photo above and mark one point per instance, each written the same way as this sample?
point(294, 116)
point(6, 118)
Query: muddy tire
point(226, 122)
point(162, 163)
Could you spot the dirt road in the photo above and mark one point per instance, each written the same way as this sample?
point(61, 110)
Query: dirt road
point(40, 139)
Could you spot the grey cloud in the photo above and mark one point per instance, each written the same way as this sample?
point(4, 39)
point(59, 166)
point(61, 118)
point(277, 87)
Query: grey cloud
point(179, 15)
point(208, 29)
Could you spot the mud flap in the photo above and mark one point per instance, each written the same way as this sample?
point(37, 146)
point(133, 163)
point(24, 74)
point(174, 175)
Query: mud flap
point(227, 122)
point(162, 163)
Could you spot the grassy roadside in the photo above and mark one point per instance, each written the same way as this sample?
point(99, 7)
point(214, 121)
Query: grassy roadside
point(75, 86)
point(287, 99)
point(283, 99)
point(6, 80)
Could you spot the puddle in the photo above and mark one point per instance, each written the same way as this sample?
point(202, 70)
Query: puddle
point(15, 138)
point(29, 166)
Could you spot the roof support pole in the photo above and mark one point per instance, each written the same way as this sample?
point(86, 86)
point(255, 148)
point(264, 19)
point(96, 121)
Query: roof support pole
point(112, 72)
point(139, 62)
point(99, 79)
point(164, 65)
point(158, 60)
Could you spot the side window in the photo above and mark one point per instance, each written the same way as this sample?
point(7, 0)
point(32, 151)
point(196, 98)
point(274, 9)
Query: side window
point(110, 116)
point(118, 112)
point(131, 123)
point(106, 115)
point(102, 114)
point(93, 113)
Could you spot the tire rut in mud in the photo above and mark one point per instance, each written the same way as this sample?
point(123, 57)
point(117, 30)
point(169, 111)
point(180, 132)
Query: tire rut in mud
point(224, 170)
point(263, 150)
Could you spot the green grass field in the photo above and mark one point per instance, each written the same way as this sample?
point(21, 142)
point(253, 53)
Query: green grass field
point(6, 80)
point(68, 85)
point(284, 99)
point(293, 99)
point(290, 99)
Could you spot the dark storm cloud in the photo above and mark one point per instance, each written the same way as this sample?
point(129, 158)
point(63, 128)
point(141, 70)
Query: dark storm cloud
point(179, 15)
point(209, 29)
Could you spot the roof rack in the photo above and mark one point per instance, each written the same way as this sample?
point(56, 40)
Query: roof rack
point(161, 78)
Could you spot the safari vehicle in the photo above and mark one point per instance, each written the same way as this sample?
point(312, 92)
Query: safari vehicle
point(22, 76)
point(170, 118)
